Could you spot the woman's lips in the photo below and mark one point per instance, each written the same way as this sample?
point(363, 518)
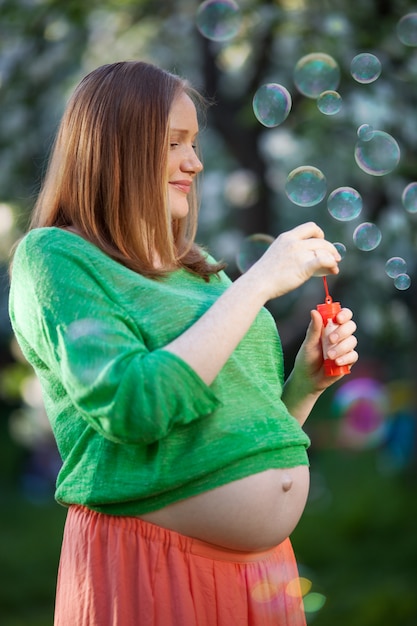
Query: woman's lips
point(181, 185)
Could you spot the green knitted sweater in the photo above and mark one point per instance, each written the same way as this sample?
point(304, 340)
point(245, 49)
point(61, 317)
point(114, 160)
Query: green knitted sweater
point(135, 426)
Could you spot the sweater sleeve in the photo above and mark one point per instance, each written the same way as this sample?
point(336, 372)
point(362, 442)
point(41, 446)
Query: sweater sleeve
point(71, 329)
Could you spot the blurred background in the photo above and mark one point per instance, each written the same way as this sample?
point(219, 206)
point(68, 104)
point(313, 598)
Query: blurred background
point(313, 118)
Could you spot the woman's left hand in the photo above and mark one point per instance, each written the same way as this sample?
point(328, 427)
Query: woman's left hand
point(309, 360)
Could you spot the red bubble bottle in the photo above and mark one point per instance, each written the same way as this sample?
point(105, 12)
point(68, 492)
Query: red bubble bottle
point(328, 311)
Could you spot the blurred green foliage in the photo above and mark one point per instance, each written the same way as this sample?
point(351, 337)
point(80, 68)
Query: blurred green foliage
point(356, 540)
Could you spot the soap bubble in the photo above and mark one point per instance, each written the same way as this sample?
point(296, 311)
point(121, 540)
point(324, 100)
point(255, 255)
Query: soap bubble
point(329, 102)
point(379, 155)
point(315, 73)
point(251, 250)
point(272, 104)
point(344, 204)
point(218, 20)
point(341, 248)
point(409, 198)
point(367, 236)
point(395, 266)
point(407, 29)
point(365, 68)
point(402, 282)
point(365, 132)
point(306, 185)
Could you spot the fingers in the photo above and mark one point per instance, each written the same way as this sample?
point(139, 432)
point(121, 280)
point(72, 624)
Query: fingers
point(309, 230)
point(343, 340)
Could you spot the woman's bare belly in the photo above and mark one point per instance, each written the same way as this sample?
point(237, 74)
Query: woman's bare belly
point(250, 514)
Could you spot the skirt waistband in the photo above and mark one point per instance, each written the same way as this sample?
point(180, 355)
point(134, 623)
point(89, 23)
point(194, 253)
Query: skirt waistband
point(168, 537)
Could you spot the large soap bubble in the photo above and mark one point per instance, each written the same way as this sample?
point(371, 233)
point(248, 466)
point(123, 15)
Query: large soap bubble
point(365, 68)
point(272, 104)
point(251, 250)
point(378, 155)
point(367, 236)
point(315, 73)
point(395, 266)
point(344, 204)
point(306, 185)
point(218, 20)
point(407, 29)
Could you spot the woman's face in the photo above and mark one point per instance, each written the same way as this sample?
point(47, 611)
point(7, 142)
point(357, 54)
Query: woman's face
point(183, 163)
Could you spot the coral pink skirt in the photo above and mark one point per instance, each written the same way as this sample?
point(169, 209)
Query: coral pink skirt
point(122, 571)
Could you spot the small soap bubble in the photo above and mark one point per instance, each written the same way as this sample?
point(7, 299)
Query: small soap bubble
point(251, 250)
point(341, 248)
point(407, 29)
point(344, 204)
point(365, 132)
point(379, 155)
point(315, 73)
point(394, 266)
point(402, 282)
point(272, 104)
point(365, 68)
point(306, 185)
point(367, 236)
point(409, 198)
point(218, 20)
point(329, 102)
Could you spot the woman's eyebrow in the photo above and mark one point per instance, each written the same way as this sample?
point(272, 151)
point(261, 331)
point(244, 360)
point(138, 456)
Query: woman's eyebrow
point(183, 132)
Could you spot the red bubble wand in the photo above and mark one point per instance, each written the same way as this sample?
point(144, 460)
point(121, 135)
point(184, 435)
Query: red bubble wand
point(328, 311)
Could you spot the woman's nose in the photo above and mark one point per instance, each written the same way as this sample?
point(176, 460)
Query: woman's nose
point(191, 163)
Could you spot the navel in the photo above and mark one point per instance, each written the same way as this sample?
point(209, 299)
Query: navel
point(286, 482)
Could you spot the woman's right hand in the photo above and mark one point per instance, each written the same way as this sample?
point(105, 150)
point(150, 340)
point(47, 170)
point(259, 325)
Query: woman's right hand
point(293, 258)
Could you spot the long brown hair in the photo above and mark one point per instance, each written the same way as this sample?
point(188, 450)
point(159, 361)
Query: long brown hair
point(107, 174)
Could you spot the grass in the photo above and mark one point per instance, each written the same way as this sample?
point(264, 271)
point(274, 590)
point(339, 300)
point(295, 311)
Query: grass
point(357, 541)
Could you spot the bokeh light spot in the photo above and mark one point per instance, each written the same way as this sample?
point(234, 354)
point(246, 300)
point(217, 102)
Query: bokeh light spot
point(362, 405)
point(264, 591)
point(298, 586)
point(313, 602)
